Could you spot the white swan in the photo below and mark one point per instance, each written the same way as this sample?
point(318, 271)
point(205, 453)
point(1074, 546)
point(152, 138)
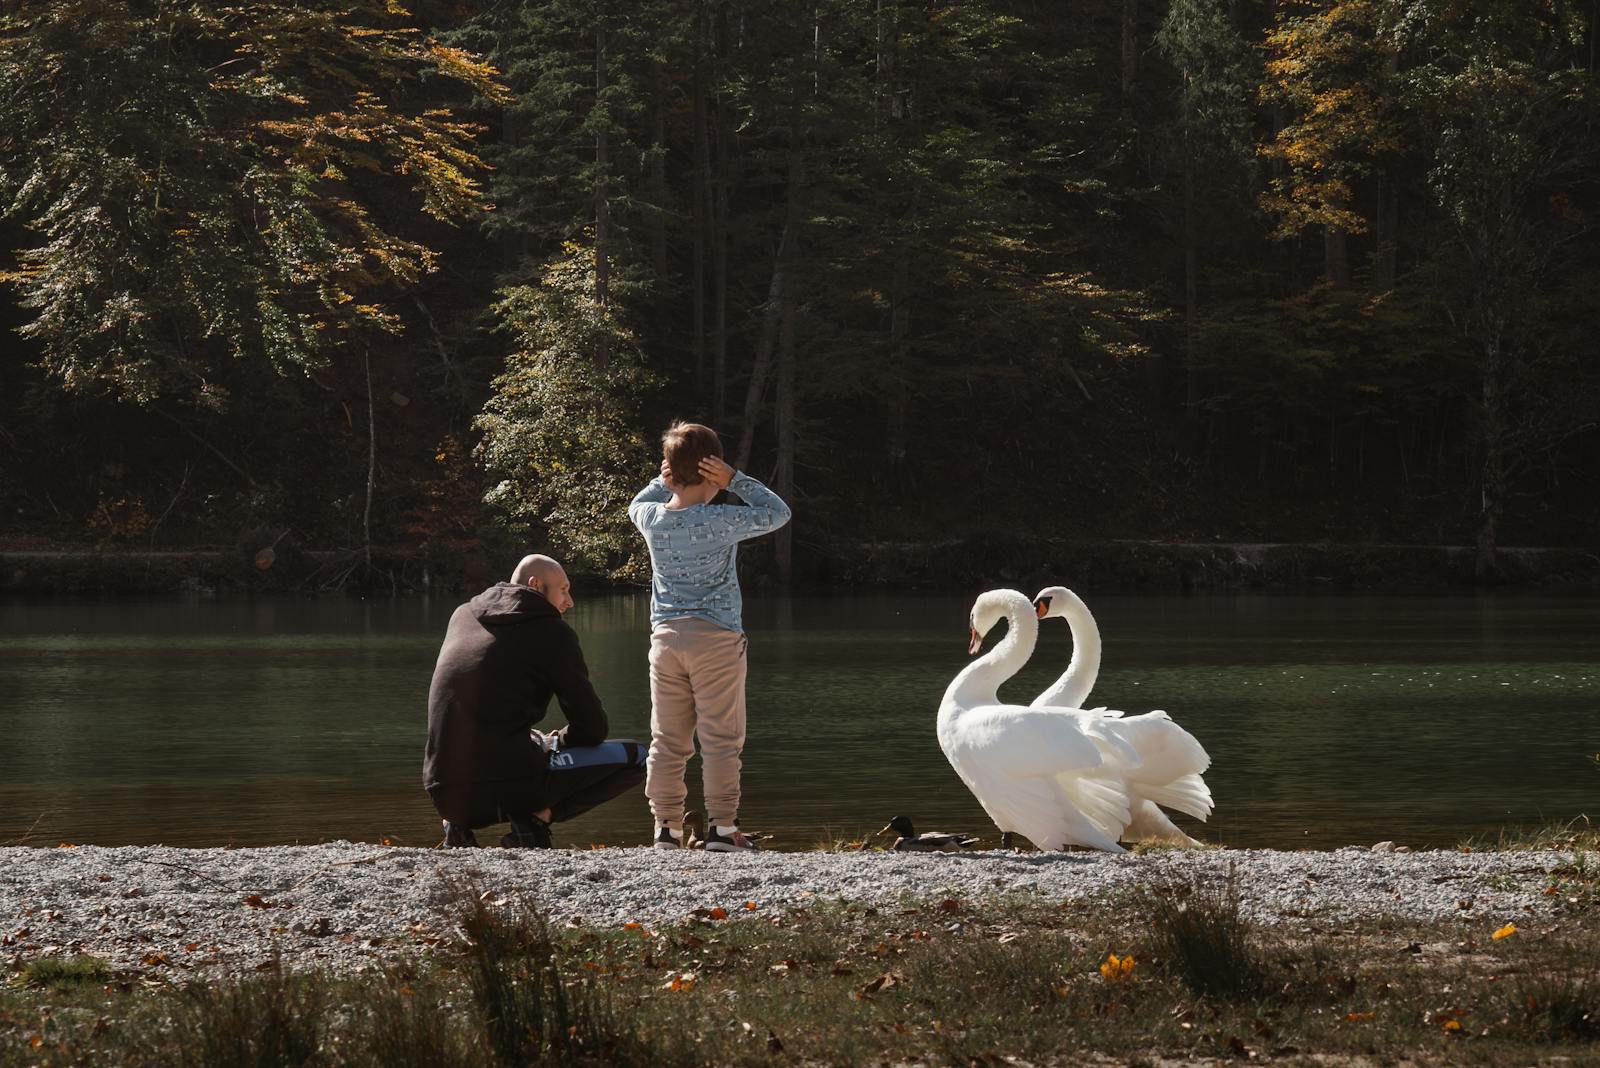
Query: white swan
point(1033, 770)
point(1168, 760)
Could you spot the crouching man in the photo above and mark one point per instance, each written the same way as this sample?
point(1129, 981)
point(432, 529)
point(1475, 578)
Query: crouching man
point(505, 654)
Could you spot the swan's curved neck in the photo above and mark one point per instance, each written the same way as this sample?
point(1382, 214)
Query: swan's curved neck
point(1072, 689)
point(979, 682)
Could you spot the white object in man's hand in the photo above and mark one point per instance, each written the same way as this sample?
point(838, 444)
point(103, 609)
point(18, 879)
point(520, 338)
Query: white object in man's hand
point(549, 741)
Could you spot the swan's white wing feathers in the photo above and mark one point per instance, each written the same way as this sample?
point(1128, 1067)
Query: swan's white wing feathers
point(1022, 743)
point(1149, 823)
point(1099, 810)
point(1187, 793)
point(1166, 750)
point(1115, 750)
point(1054, 811)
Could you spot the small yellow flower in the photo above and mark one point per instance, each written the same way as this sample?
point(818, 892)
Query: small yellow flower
point(1115, 969)
point(1505, 932)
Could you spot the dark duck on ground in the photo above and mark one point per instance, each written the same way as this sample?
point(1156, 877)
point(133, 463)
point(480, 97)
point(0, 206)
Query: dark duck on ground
point(909, 841)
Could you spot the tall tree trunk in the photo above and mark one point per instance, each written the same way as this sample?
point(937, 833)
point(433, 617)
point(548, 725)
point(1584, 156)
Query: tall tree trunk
point(1387, 237)
point(891, 115)
point(700, 196)
point(1130, 57)
point(602, 203)
point(761, 367)
point(658, 175)
point(1336, 256)
point(372, 461)
point(778, 294)
point(1386, 255)
point(899, 400)
point(514, 239)
point(719, 233)
point(1191, 287)
point(883, 63)
point(783, 477)
point(1492, 503)
point(1592, 35)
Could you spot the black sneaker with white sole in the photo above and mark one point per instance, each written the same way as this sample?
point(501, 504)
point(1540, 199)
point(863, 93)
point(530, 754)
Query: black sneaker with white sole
point(456, 837)
point(735, 841)
point(665, 839)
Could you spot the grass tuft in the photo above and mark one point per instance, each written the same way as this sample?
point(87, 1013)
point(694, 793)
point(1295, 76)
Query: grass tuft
point(531, 1015)
point(1556, 1006)
point(1577, 835)
point(1200, 935)
point(64, 973)
point(407, 1023)
point(278, 1019)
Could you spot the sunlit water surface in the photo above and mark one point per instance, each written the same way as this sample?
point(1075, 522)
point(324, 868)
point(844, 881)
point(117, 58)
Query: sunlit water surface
point(1329, 719)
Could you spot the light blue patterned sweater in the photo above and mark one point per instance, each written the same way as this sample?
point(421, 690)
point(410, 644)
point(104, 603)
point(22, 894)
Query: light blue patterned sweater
point(693, 551)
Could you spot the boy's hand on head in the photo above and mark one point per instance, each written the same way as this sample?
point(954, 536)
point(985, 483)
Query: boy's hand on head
point(715, 471)
point(666, 476)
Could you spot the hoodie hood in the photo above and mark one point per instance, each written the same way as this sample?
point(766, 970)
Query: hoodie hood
point(505, 602)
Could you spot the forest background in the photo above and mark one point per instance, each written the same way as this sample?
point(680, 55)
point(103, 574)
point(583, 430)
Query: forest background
point(436, 275)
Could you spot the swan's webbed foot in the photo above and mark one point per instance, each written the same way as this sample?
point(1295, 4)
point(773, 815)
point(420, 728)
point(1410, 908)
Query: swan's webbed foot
point(1005, 840)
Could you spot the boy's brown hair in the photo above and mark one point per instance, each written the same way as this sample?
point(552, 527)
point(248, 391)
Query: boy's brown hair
point(684, 445)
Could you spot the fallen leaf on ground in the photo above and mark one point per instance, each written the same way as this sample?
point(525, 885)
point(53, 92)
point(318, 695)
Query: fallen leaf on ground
point(882, 982)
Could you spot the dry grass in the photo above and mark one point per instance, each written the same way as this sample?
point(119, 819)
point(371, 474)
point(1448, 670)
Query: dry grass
point(1199, 934)
point(940, 981)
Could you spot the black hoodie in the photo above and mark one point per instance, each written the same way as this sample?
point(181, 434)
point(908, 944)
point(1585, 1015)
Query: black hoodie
point(505, 654)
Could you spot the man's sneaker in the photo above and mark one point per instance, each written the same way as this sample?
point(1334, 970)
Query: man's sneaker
point(531, 833)
point(665, 839)
point(727, 840)
point(458, 837)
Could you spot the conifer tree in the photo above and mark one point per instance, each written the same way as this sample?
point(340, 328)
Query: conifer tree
point(204, 183)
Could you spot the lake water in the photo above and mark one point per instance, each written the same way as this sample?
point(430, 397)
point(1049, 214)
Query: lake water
point(1329, 719)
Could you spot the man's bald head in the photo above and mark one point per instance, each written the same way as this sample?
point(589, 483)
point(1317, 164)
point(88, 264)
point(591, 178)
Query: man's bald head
point(535, 565)
point(547, 578)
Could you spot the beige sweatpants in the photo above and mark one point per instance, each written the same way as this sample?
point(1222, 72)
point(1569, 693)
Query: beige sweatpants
point(697, 672)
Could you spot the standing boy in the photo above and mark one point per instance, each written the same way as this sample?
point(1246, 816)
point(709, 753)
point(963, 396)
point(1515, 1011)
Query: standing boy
point(697, 642)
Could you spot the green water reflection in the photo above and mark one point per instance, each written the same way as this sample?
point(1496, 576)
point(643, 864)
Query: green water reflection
point(1329, 719)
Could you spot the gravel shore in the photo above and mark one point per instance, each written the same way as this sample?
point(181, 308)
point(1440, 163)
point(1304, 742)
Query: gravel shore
point(347, 906)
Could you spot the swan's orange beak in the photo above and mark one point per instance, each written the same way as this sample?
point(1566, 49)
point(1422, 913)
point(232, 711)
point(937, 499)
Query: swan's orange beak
point(1040, 607)
point(976, 643)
